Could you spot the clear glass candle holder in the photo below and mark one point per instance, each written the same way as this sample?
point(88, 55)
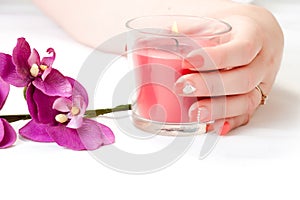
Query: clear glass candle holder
point(157, 49)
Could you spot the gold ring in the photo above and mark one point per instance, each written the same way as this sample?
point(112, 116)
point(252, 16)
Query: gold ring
point(263, 96)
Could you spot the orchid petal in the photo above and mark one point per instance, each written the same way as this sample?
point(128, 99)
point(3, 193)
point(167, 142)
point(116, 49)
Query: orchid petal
point(48, 61)
point(4, 90)
point(31, 104)
point(65, 137)
point(34, 58)
point(40, 106)
point(75, 122)
point(36, 132)
point(107, 134)
point(55, 84)
point(2, 133)
point(8, 135)
point(78, 101)
point(94, 135)
point(44, 103)
point(78, 89)
point(89, 136)
point(9, 74)
point(20, 56)
point(62, 104)
point(46, 72)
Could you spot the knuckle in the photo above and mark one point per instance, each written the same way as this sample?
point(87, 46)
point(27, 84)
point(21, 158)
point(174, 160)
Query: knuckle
point(250, 51)
point(251, 97)
point(251, 80)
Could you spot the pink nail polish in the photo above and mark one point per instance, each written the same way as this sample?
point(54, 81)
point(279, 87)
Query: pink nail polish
point(225, 129)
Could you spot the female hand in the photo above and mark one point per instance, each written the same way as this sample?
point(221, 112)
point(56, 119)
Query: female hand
point(253, 52)
point(238, 73)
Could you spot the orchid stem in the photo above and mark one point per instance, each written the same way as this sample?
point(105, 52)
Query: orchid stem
point(95, 113)
point(14, 118)
point(88, 113)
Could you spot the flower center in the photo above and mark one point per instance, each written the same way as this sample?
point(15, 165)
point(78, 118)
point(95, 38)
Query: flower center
point(75, 111)
point(43, 67)
point(34, 70)
point(61, 118)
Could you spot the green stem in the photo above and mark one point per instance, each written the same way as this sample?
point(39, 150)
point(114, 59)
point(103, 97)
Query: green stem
point(95, 113)
point(88, 113)
point(14, 118)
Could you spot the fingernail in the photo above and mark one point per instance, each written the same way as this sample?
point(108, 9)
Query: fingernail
point(209, 127)
point(198, 114)
point(184, 87)
point(225, 128)
point(198, 59)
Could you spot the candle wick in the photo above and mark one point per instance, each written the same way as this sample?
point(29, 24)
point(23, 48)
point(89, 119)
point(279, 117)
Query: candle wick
point(176, 41)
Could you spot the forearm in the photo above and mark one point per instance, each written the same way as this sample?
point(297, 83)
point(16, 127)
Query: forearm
point(94, 21)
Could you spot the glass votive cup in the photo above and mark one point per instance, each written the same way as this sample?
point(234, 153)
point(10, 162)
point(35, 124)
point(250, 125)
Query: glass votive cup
point(157, 48)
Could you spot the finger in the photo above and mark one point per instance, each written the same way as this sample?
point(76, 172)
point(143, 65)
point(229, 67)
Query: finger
point(225, 107)
point(204, 27)
point(239, 80)
point(229, 124)
point(241, 49)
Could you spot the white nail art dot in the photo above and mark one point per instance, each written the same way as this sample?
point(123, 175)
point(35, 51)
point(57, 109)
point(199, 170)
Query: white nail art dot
point(188, 89)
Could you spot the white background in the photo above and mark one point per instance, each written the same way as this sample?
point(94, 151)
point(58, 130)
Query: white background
point(257, 161)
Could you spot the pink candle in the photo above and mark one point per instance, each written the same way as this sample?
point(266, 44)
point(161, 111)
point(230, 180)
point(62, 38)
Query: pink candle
point(157, 52)
point(158, 65)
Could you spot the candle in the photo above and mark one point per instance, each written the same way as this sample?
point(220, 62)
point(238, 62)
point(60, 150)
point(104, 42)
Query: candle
point(158, 47)
point(159, 64)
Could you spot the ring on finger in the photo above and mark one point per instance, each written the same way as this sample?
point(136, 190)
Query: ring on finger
point(263, 96)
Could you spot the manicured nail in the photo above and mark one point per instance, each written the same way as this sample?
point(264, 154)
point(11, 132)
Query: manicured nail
point(184, 87)
point(209, 127)
point(198, 114)
point(197, 60)
point(188, 89)
point(225, 129)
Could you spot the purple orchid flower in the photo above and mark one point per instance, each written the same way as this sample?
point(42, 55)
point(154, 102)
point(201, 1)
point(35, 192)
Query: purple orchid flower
point(74, 108)
point(79, 132)
point(8, 135)
point(56, 103)
point(61, 120)
point(24, 67)
point(40, 104)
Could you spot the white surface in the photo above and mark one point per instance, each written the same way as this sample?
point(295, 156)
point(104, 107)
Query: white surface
point(257, 161)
